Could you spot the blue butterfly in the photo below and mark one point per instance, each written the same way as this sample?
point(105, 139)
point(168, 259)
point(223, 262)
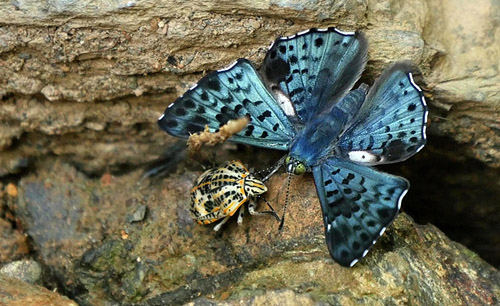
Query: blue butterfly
point(301, 102)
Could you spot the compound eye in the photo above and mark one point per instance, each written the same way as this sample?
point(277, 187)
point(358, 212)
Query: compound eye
point(287, 159)
point(300, 169)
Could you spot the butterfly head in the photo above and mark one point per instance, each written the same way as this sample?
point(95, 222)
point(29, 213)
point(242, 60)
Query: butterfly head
point(295, 166)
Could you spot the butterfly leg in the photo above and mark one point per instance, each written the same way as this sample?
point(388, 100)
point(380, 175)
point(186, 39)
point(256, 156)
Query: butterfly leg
point(252, 210)
point(219, 225)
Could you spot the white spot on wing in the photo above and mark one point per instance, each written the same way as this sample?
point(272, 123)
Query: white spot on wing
point(291, 36)
point(362, 157)
point(271, 45)
point(382, 231)
point(353, 262)
point(364, 253)
point(193, 87)
point(162, 115)
point(410, 76)
point(228, 67)
point(423, 100)
point(413, 82)
point(285, 103)
point(401, 198)
point(322, 29)
point(171, 105)
point(303, 32)
point(329, 227)
point(344, 32)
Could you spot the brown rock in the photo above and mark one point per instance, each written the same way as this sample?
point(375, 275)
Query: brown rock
point(169, 260)
point(13, 244)
point(11, 190)
point(15, 292)
point(66, 83)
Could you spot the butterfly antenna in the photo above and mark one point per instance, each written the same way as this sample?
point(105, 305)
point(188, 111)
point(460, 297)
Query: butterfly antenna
point(282, 223)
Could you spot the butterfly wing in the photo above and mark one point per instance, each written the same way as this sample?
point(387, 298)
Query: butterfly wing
point(228, 94)
point(314, 68)
point(358, 203)
point(390, 125)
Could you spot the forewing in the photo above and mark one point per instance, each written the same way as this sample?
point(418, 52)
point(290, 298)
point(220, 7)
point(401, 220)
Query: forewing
point(228, 94)
point(314, 68)
point(390, 126)
point(358, 203)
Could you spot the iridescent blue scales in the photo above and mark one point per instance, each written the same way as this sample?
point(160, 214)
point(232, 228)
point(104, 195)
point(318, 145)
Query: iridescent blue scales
point(302, 102)
point(219, 192)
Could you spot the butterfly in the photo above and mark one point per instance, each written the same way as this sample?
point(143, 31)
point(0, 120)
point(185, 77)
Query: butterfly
point(301, 101)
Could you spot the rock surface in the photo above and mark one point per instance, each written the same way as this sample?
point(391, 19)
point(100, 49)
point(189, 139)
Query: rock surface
point(15, 292)
point(28, 271)
point(13, 242)
point(86, 81)
point(81, 86)
point(97, 256)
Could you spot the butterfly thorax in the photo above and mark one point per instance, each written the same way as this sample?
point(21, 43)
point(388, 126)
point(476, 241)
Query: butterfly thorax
point(317, 140)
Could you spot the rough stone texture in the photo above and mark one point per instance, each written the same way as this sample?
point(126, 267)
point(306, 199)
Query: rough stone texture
point(86, 81)
point(64, 217)
point(13, 242)
point(17, 293)
point(279, 297)
point(96, 256)
point(81, 84)
point(28, 271)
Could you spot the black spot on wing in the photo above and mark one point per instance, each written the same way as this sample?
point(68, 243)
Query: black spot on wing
point(214, 84)
point(189, 104)
point(238, 108)
point(348, 178)
point(194, 128)
point(179, 111)
point(296, 91)
point(170, 123)
point(264, 115)
point(200, 120)
point(394, 150)
point(249, 130)
point(277, 70)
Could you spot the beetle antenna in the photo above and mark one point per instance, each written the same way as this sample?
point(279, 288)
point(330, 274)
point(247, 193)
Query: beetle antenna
point(272, 169)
